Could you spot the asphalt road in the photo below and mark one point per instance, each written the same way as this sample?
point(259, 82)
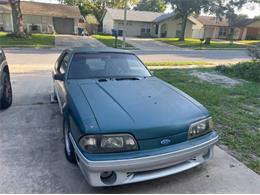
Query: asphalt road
point(17, 56)
point(32, 158)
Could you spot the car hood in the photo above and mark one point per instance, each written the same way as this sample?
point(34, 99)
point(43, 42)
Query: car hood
point(147, 108)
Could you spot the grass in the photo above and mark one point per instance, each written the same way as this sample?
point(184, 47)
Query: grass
point(236, 112)
point(177, 63)
point(195, 43)
point(244, 70)
point(109, 41)
point(36, 40)
point(248, 42)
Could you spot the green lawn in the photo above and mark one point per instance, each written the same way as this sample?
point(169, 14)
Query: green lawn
point(235, 111)
point(177, 63)
point(109, 41)
point(195, 43)
point(248, 42)
point(36, 40)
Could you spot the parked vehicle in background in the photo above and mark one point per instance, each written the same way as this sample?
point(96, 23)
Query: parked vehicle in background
point(121, 124)
point(5, 84)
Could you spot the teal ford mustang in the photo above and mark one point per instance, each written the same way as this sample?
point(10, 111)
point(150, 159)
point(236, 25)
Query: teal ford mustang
point(123, 125)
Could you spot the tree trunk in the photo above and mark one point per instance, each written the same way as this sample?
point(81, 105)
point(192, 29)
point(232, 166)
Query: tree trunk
point(183, 27)
point(231, 36)
point(17, 18)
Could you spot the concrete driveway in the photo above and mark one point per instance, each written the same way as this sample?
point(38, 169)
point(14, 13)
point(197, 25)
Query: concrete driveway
point(32, 158)
point(148, 44)
point(76, 41)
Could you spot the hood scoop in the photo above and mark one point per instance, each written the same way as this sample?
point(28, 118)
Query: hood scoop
point(102, 80)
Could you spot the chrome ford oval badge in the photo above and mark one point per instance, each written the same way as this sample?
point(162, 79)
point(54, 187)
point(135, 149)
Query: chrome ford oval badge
point(165, 141)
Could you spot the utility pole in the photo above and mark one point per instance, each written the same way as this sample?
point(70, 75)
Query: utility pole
point(124, 31)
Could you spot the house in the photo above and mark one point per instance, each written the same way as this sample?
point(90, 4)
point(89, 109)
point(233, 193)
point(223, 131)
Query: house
point(145, 24)
point(211, 27)
point(5, 18)
point(247, 29)
point(42, 18)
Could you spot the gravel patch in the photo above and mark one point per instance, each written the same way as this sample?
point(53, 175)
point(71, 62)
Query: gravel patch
point(217, 78)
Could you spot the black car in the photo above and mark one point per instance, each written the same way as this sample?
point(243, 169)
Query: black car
point(5, 84)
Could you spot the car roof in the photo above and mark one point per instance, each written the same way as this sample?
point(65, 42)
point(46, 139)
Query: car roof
point(98, 50)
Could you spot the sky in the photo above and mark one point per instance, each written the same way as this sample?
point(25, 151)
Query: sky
point(250, 9)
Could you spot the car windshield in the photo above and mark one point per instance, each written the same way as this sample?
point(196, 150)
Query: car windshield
point(106, 65)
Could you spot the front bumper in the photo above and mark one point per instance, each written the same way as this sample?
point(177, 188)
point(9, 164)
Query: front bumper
point(149, 167)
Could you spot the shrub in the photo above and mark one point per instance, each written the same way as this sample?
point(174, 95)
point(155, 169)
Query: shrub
point(244, 70)
point(254, 51)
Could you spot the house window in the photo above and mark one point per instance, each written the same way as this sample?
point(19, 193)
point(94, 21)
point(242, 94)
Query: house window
point(143, 30)
point(148, 30)
point(222, 32)
point(34, 28)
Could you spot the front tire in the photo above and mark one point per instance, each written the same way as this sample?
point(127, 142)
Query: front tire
point(54, 93)
point(7, 98)
point(68, 147)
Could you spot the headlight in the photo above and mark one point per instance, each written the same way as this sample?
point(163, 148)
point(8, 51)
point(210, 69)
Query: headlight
point(200, 128)
point(108, 143)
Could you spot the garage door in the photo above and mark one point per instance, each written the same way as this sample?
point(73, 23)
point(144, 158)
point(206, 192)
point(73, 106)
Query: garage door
point(63, 25)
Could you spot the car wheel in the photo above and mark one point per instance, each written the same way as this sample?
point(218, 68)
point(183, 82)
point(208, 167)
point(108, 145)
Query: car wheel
point(7, 98)
point(68, 147)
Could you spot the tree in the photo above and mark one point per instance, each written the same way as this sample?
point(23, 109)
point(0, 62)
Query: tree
point(151, 5)
point(91, 19)
point(97, 7)
point(121, 3)
point(17, 18)
point(86, 7)
point(184, 8)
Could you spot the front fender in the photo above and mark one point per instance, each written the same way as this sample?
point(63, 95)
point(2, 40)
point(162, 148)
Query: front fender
point(74, 129)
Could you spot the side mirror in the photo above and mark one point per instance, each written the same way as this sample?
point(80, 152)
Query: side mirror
point(58, 77)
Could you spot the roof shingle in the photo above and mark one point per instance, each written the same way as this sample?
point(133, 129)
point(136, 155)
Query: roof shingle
point(5, 9)
point(48, 9)
point(132, 15)
point(45, 9)
point(212, 21)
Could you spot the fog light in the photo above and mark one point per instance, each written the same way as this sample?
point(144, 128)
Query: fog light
point(106, 174)
point(108, 177)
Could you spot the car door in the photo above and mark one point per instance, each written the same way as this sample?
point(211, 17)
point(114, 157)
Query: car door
point(60, 84)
